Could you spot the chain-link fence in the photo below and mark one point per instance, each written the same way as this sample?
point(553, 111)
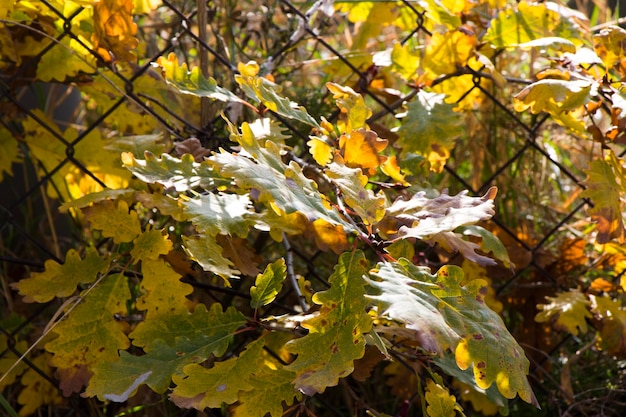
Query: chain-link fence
point(521, 155)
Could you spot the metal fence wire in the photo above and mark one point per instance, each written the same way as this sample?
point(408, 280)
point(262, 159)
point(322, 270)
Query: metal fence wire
point(281, 34)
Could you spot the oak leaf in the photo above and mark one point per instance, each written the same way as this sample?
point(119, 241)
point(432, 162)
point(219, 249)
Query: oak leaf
point(114, 221)
point(569, 309)
point(162, 291)
point(362, 148)
point(440, 402)
point(447, 317)
point(429, 128)
point(219, 213)
point(606, 181)
point(192, 82)
point(9, 152)
point(205, 250)
point(38, 391)
point(61, 280)
point(90, 334)
point(201, 387)
point(150, 245)
point(268, 284)
point(265, 92)
point(354, 111)
point(335, 339)
point(114, 30)
point(170, 344)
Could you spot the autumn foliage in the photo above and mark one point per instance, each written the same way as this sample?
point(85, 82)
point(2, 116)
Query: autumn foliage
point(258, 242)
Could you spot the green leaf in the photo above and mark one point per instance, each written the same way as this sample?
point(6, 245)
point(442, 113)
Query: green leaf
point(268, 284)
point(192, 326)
point(335, 338)
point(116, 222)
point(201, 387)
point(227, 214)
point(61, 280)
point(447, 317)
point(90, 334)
point(569, 309)
point(351, 182)
point(166, 353)
point(430, 127)
point(267, 93)
point(180, 174)
point(108, 194)
point(205, 250)
point(489, 243)
point(192, 82)
point(271, 387)
point(272, 182)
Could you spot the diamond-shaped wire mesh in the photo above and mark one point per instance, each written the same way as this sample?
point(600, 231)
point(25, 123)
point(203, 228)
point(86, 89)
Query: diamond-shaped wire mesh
point(277, 34)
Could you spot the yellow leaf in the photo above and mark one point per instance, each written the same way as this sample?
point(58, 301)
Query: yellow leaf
point(447, 52)
point(8, 360)
point(329, 236)
point(9, 153)
point(480, 402)
point(606, 181)
point(570, 309)
point(440, 402)
point(61, 280)
point(163, 292)
point(391, 168)
point(611, 326)
point(361, 149)
point(116, 222)
point(114, 30)
point(354, 111)
point(150, 245)
point(38, 391)
point(321, 151)
point(610, 45)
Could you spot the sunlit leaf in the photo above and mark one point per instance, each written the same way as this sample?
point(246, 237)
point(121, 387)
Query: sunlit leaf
point(114, 30)
point(448, 317)
point(610, 45)
point(354, 111)
point(429, 127)
point(220, 213)
point(352, 182)
point(362, 149)
point(267, 93)
point(604, 191)
point(192, 82)
point(569, 310)
point(180, 174)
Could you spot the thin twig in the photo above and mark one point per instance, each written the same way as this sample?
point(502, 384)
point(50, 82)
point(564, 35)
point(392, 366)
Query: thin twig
point(291, 274)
